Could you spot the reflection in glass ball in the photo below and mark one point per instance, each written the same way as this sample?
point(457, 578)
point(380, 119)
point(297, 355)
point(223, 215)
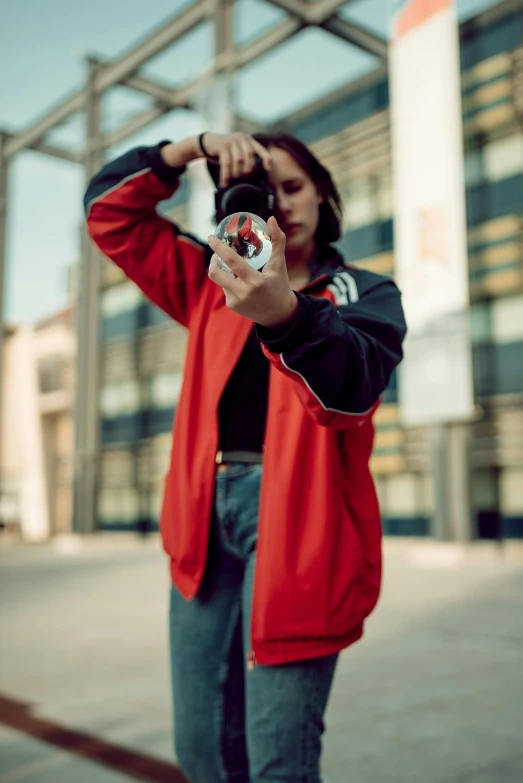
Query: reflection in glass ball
point(248, 235)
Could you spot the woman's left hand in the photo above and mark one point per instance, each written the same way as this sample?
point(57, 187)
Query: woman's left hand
point(265, 297)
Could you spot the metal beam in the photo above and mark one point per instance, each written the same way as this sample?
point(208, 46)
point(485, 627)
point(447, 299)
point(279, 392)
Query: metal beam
point(246, 125)
point(154, 44)
point(135, 124)
point(323, 14)
point(58, 152)
point(298, 8)
point(182, 98)
point(46, 149)
point(309, 13)
point(263, 44)
point(153, 88)
point(35, 132)
point(123, 70)
point(223, 83)
point(111, 75)
point(357, 36)
point(223, 14)
point(321, 11)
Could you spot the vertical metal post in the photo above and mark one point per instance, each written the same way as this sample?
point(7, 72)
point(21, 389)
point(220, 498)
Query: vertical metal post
point(440, 521)
point(452, 482)
point(221, 99)
point(214, 103)
point(88, 349)
point(3, 256)
point(459, 482)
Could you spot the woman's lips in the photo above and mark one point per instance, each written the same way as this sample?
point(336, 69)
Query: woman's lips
point(289, 228)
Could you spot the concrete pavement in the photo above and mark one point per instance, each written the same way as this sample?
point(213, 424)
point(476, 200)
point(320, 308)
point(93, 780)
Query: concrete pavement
point(433, 694)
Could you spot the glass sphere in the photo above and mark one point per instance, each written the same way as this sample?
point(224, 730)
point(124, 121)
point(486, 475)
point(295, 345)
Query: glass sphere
point(248, 235)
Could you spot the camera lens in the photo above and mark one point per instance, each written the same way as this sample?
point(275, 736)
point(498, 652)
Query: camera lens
point(245, 197)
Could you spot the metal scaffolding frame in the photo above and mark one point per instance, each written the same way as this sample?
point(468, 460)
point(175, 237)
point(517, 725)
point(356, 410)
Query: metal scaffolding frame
point(101, 77)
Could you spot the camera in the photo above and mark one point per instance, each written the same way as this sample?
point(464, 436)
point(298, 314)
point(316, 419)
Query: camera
point(246, 194)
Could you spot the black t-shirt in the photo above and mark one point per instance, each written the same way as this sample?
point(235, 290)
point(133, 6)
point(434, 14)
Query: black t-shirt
point(242, 412)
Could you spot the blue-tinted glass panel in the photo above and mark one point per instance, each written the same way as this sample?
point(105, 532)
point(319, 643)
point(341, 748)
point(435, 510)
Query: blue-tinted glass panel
point(158, 422)
point(512, 527)
point(494, 199)
point(124, 323)
point(367, 241)
point(406, 526)
point(350, 109)
point(498, 369)
point(154, 315)
point(480, 42)
point(141, 527)
point(121, 429)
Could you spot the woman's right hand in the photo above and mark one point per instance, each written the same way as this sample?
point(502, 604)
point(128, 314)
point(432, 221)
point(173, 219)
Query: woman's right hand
point(236, 154)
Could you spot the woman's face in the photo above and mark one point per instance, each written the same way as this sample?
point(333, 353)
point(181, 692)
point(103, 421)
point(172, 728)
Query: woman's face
point(297, 200)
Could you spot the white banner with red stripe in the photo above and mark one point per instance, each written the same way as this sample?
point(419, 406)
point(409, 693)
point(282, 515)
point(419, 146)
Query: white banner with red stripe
point(435, 380)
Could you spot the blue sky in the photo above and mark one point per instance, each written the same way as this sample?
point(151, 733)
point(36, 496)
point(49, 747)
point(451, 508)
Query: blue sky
point(42, 46)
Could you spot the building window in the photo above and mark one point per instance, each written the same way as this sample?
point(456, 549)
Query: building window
point(367, 241)
point(118, 508)
point(351, 109)
point(164, 390)
point(504, 158)
point(480, 322)
point(480, 42)
point(497, 369)
point(120, 399)
point(495, 199)
point(122, 308)
point(121, 415)
point(120, 299)
point(163, 393)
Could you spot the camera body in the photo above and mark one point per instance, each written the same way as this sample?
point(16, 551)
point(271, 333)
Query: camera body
point(247, 194)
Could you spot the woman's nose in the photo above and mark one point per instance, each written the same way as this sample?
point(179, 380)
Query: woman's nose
point(283, 204)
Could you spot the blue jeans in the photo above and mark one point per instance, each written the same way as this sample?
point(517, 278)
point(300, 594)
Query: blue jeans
point(233, 724)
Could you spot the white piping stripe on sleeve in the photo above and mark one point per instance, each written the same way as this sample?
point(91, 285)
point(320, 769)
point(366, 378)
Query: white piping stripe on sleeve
point(115, 187)
point(331, 410)
point(351, 286)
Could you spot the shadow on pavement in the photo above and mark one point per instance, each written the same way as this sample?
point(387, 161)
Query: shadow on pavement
point(17, 715)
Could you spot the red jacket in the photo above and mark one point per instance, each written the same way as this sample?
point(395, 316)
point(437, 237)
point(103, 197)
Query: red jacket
point(318, 564)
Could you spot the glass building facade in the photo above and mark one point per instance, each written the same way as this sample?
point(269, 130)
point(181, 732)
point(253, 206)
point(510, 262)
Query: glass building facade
point(142, 350)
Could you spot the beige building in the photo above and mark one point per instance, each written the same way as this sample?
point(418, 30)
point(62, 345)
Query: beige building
point(37, 435)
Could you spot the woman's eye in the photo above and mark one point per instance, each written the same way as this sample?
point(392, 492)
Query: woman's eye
point(292, 188)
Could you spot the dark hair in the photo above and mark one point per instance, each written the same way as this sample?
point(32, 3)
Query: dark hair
point(330, 209)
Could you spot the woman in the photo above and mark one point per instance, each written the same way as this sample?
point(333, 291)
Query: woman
point(269, 516)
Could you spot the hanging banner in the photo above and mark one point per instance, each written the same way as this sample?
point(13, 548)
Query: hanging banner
point(430, 240)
